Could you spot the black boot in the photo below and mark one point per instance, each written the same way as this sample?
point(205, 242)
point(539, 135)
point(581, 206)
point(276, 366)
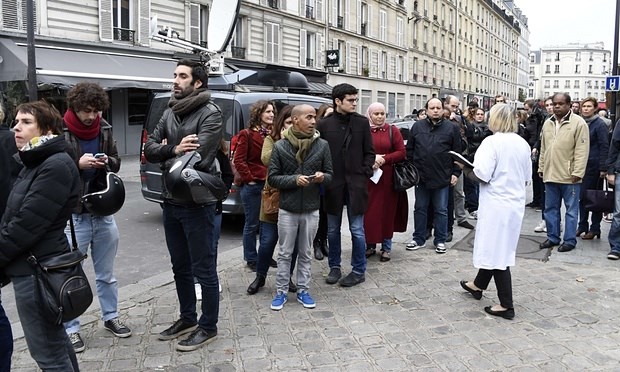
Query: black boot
point(318, 254)
point(256, 284)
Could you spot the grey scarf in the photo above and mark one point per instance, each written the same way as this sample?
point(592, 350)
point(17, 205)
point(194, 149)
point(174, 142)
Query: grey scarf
point(190, 103)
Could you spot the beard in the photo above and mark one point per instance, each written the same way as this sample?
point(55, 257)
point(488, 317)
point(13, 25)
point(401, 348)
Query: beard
point(184, 92)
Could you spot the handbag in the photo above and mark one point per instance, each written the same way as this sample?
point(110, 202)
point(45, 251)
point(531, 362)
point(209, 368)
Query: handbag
point(62, 288)
point(602, 201)
point(270, 200)
point(405, 174)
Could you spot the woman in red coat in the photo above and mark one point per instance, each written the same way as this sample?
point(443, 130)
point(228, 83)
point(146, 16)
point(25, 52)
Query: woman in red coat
point(384, 204)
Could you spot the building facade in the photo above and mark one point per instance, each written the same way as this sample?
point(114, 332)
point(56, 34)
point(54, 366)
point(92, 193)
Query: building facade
point(398, 52)
point(578, 69)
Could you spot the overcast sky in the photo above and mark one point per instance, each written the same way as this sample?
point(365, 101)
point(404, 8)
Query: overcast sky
point(558, 22)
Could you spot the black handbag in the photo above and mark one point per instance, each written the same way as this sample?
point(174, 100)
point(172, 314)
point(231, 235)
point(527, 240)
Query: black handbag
point(62, 287)
point(602, 201)
point(405, 174)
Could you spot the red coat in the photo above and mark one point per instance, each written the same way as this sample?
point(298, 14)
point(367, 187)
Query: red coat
point(247, 156)
point(385, 206)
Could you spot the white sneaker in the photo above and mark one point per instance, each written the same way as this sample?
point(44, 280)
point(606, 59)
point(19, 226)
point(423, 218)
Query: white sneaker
point(198, 290)
point(220, 288)
point(440, 248)
point(473, 215)
point(414, 246)
point(542, 227)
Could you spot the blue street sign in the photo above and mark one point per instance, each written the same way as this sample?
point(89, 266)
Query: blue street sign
point(612, 83)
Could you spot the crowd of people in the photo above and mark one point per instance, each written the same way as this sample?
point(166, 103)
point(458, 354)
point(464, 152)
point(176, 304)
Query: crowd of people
point(312, 164)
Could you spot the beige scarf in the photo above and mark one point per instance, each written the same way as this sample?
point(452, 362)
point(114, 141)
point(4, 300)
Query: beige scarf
point(301, 142)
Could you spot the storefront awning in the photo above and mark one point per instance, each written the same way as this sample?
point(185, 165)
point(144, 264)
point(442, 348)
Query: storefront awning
point(62, 66)
point(320, 88)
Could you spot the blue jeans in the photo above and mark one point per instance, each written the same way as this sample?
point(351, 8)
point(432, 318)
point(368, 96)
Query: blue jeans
point(439, 200)
point(358, 240)
point(268, 238)
point(554, 194)
point(6, 341)
point(48, 343)
point(614, 231)
point(251, 198)
point(189, 236)
point(100, 234)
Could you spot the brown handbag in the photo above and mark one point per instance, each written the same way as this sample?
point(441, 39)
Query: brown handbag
point(270, 200)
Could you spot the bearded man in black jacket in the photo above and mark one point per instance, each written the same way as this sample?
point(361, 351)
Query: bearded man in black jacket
point(353, 155)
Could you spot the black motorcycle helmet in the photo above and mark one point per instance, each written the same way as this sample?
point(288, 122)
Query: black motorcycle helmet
point(106, 200)
point(187, 185)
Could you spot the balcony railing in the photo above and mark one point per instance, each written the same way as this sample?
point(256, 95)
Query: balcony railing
point(340, 22)
point(309, 62)
point(363, 29)
point(238, 52)
point(124, 34)
point(273, 4)
point(309, 12)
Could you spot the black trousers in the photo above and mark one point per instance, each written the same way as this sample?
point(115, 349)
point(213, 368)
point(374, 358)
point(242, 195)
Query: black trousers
point(503, 283)
point(321, 232)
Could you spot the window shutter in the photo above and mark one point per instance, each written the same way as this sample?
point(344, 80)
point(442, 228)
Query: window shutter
point(194, 23)
point(144, 21)
point(105, 20)
point(348, 57)
point(318, 61)
point(269, 42)
point(359, 60)
point(334, 13)
point(359, 16)
point(302, 48)
point(318, 10)
point(369, 31)
point(276, 43)
point(345, 16)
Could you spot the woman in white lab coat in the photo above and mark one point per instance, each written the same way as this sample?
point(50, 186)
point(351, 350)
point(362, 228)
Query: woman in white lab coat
point(502, 166)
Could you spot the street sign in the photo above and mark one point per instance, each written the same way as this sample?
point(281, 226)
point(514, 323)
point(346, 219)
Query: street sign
point(612, 83)
point(332, 58)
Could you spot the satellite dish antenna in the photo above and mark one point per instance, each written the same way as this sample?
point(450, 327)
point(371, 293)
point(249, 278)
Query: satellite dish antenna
point(223, 16)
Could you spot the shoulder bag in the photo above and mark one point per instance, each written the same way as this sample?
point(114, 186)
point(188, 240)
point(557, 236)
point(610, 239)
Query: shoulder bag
point(602, 201)
point(405, 174)
point(270, 200)
point(62, 289)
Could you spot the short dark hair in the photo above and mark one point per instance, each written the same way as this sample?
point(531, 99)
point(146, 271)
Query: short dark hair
point(87, 94)
point(198, 71)
point(472, 104)
point(342, 90)
point(47, 116)
point(563, 94)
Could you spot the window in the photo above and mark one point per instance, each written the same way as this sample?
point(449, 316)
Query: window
point(547, 83)
point(272, 47)
point(14, 17)
point(556, 83)
point(382, 25)
point(578, 56)
point(532, 58)
point(578, 69)
point(238, 41)
point(415, 69)
point(382, 98)
point(307, 48)
point(399, 32)
point(121, 18)
point(566, 83)
point(557, 69)
point(589, 69)
point(557, 56)
point(366, 98)
point(547, 69)
point(576, 84)
point(383, 65)
point(400, 104)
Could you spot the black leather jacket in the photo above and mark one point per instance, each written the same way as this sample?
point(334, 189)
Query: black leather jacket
point(205, 121)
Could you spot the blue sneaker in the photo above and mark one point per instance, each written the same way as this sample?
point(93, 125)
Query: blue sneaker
point(304, 298)
point(278, 301)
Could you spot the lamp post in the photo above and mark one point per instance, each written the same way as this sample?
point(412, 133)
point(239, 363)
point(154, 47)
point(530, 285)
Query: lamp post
point(32, 64)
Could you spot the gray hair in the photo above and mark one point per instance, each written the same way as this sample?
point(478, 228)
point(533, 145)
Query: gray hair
point(502, 119)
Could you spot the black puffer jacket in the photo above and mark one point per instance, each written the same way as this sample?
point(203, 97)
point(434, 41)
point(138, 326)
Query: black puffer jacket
point(284, 169)
point(38, 207)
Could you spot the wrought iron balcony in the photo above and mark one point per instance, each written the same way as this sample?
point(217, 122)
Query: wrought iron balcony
point(124, 34)
point(309, 12)
point(363, 29)
point(237, 52)
point(340, 21)
point(309, 62)
point(273, 4)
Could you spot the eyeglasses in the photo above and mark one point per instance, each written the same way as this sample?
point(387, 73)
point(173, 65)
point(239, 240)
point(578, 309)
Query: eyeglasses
point(352, 100)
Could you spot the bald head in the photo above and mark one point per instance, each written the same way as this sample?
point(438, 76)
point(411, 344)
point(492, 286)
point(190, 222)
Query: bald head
point(304, 118)
point(452, 103)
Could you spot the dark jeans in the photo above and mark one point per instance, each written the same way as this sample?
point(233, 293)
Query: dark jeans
point(450, 208)
point(321, 233)
point(538, 187)
point(48, 343)
point(251, 197)
point(6, 341)
point(472, 191)
point(438, 198)
point(591, 181)
point(267, 245)
point(503, 283)
point(189, 236)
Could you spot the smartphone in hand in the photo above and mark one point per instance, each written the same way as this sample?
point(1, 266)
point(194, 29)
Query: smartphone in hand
point(99, 155)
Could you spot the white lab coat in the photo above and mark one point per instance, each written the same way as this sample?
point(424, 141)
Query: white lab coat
point(503, 162)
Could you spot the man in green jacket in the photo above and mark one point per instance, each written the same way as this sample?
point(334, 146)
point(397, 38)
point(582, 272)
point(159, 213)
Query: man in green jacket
point(565, 144)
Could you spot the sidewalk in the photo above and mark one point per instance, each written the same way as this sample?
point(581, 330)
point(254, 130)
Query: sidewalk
point(410, 314)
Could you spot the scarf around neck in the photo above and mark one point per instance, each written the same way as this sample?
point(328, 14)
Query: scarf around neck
point(81, 130)
point(190, 103)
point(301, 142)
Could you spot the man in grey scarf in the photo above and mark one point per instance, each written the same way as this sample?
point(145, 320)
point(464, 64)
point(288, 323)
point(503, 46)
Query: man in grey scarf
point(193, 122)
